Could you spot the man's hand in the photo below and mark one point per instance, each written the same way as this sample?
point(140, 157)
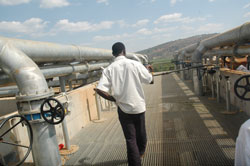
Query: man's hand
point(150, 68)
point(105, 95)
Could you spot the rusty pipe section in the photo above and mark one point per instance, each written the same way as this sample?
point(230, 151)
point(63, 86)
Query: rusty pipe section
point(42, 52)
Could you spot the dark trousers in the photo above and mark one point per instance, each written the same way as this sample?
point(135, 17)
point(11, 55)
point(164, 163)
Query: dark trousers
point(133, 126)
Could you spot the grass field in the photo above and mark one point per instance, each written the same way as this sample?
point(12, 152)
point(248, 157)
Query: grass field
point(162, 65)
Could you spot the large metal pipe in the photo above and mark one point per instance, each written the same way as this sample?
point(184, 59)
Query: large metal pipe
point(42, 52)
point(22, 70)
point(13, 90)
point(33, 89)
point(71, 69)
point(235, 36)
point(190, 48)
point(229, 52)
point(62, 70)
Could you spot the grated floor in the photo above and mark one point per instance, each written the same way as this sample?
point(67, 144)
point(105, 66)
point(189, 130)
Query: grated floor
point(182, 129)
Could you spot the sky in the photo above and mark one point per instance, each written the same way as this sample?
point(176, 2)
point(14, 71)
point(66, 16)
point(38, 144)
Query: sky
point(139, 24)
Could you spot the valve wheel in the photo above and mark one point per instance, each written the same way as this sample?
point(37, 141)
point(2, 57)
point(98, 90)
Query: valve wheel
point(6, 136)
point(242, 90)
point(211, 71)
point(52, 111)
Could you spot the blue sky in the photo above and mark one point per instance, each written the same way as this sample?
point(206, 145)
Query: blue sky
point(139, 24)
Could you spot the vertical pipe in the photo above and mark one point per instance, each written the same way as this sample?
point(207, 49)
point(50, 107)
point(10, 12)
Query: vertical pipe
point(62, 84)
point(98, 106)
point(182, 72)
point(218, 78)
point(18, 139)
point(218, 89)
point(204, 82)
point(228, 94)
point(64, 122)
point(70, 85)
point(197, 81)
point(212, 85)
point(101, 103)
point(109, 105)
point(197, 78)
point(33, 89)
point(45, 154)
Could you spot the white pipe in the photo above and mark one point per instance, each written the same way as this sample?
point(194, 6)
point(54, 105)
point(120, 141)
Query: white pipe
point(63, 70)
point(235, 36)
point(230, 52)
point(42, 52)
point(33, 87)
point(22, 70)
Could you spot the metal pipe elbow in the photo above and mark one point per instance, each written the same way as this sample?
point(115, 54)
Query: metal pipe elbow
point(24, 72)
point(198, 53)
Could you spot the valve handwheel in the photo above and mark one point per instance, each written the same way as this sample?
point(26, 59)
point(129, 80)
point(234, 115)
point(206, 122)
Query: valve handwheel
point(243, 88)
point(6, 135)
point(52, 111)
point(211, 71)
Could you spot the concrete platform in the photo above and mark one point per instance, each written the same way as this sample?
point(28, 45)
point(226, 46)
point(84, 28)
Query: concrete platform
point(182, 129)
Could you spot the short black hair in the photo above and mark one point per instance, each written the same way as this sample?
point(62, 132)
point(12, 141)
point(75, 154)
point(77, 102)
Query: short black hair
point(117, 48)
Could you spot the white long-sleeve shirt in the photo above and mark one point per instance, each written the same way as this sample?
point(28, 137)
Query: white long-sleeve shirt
point(242, 151)
point(124, 78)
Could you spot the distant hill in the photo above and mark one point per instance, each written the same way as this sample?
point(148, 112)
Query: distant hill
point(167, 50)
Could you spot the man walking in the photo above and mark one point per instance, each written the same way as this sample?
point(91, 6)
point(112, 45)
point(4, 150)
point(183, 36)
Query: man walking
point(124, 78)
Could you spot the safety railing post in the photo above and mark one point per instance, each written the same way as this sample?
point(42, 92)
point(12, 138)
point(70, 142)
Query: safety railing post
point(64, 123)
point(212, 85)
point(218, 89)
point(182, 72)
point(197, 81)
point(98, 106)
point(228, 102)
point(204, 82)
point(218, 79)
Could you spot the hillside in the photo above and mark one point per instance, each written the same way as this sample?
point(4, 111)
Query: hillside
point(167, 50)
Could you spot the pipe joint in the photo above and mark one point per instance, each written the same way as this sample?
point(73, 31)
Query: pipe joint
point(27, 75)
point(31, 110)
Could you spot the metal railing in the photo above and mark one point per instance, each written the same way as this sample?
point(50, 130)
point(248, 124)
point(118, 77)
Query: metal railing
point(234, 42)
point(31, 65)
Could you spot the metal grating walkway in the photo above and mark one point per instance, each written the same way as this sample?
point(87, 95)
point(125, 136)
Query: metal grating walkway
point(182, 129)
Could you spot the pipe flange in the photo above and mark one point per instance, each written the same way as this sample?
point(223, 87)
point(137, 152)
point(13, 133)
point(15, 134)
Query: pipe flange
point(33, 116)
point(38, 96)
point(235, 51)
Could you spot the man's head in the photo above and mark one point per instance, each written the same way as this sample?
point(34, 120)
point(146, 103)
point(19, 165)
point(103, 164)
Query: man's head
point(118, 48)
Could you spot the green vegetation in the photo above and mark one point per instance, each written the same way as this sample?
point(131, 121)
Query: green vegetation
point(160, 56)
point(162, 65)
point(167, 50)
